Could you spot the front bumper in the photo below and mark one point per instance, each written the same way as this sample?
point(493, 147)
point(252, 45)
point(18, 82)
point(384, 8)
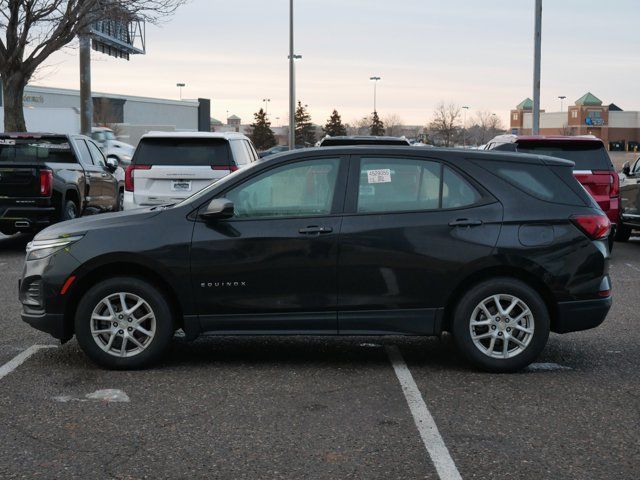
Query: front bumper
point(51, 323)
point(581, 315)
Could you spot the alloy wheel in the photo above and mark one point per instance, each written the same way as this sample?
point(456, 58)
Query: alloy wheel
point(502, 326)
point(123, 324)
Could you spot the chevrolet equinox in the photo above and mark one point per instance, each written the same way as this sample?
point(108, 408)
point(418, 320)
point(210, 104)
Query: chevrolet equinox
point(496, 248)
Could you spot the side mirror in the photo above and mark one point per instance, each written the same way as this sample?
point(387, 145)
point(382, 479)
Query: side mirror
point(218, 209)
point(626, 168)
point(112, 164)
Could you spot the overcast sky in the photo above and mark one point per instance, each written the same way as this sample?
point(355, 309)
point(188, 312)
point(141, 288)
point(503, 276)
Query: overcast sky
point(471, 52)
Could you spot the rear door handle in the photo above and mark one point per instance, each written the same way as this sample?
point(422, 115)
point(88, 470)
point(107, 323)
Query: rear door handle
point(465, 222)
point(315, 229)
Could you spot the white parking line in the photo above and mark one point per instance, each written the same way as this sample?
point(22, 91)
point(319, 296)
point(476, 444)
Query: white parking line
point(427, 427)
point(19, 359)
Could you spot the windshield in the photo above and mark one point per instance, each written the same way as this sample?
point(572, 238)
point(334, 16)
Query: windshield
point(586, 155)
point(109, 136)
point(29, 150)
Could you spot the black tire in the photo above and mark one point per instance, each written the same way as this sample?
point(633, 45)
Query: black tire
point(623, 233)
point(8, 231)
point(69, 211)
point(156, 346)
point(120, 201)
point(465, 308)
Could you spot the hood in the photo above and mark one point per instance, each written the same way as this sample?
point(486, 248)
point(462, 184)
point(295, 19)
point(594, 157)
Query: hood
point(96, 222)
point(117, 146)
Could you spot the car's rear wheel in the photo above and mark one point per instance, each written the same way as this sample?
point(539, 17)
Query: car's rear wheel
point(501, 325)
point(623, 233)
point(69, 210)
point(124, 323)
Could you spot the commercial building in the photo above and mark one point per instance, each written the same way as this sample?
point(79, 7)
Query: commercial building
point(619, 129)
point(57, 110)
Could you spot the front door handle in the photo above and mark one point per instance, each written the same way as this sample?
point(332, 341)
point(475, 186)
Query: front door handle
point(105, 175)
point(465, 222)
point(315, 229)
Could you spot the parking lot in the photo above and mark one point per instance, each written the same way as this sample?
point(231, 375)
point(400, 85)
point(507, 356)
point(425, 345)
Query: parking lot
point(281, 407)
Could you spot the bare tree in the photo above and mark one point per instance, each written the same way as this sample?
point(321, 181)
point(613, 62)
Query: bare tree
point(393, 125)
point(359, 126)
point(445, 124)
point(486, 125)
point(34, 29)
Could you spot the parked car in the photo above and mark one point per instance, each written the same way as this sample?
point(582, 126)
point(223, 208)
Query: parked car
point(498, 249)
point(170, 166)
point(46, 178)
point(593, 167)
point(273, 150)
point(343, 141)
point(629, 201)
point(111, 146)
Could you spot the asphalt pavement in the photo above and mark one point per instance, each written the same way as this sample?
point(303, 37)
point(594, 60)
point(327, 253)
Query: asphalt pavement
point(323, 407)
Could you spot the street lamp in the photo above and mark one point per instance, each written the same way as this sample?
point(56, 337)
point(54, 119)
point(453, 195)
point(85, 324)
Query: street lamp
point(537, 46)
point(266, 104)
point(561, 97)
point(464, 126)
point(375, 80)
point(180, 85)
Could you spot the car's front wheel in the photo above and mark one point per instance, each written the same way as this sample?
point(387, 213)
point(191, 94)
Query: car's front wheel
point(124, 323)
point(501, 325)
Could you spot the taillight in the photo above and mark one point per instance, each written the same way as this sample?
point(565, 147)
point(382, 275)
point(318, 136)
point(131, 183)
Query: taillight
point(595, 226)
point(615, 185)
point(231, 168)
point(46, 183)
point(128, 175)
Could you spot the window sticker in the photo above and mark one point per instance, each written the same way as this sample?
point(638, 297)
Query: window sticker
point(379, 176)
point(51, 146)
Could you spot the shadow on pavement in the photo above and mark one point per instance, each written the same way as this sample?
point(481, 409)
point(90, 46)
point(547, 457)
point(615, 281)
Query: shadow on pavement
point(15, 243)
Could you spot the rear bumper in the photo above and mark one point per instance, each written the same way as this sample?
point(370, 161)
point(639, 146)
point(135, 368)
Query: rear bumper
point(581, 315)
point(51, 323)
point(27, 218)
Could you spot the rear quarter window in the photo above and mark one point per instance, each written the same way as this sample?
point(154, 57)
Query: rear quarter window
point(537, 180)
point(586, 155)
point(182, 151)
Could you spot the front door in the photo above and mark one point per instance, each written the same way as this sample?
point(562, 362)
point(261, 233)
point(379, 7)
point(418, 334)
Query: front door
point(273, 266)
point(108, 182)
point(411, 228)
point(630, 195)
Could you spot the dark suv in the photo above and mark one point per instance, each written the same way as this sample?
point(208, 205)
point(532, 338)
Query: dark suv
point(497, 248)
point(45, 178)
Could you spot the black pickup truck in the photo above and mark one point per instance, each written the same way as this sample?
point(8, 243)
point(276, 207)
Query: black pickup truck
point(46, 178)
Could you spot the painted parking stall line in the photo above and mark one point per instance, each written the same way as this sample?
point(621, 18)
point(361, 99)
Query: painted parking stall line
point(427, 427)
point(19, 359)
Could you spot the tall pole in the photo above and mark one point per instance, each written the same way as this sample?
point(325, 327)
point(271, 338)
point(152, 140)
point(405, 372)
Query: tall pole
point(537, 43)
point(561, 97)
point(86, 104)
point(375, 85)
point(464, 126)
point(292, 84)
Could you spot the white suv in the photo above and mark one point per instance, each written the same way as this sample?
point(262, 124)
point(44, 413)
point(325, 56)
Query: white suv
point(169, 166)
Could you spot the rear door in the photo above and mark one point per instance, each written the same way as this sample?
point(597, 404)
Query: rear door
point(630, 195)
point(175, 168)
point(593, 168)
point(412, 228)
point(108, 182)
point(93, 176)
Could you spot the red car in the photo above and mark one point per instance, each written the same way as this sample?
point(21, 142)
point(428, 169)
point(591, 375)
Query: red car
point(593, 169)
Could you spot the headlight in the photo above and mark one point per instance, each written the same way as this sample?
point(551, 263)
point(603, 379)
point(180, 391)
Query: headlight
point(43, 248)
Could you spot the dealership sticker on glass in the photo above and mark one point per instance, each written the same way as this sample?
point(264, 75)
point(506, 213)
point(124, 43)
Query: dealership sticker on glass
point(379, 176)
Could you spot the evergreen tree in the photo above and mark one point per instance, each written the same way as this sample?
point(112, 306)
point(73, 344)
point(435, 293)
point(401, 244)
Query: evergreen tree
point(334, 126)
point(377, 125)
point(305, 131)
point(261, 134)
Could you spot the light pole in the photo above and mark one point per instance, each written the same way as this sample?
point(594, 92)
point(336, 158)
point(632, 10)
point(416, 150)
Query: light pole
point(180, 85)
point(266, 104)
point(537, 44)
point(375, 84)
point(292, 86)
point(561, 97)
point(464, 126)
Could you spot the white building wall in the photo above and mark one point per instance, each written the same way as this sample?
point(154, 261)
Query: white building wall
point(624, 119)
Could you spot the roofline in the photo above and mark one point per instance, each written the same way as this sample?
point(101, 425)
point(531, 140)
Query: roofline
point(163, 134)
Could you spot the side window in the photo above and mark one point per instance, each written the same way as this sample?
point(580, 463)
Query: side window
point(240, 154)
point(96, 154)
point(403, 185)
point(636, 167)
point(299, 189)
point(398, 184)
point(83, 151)
point(253, 155)
point(456, 191)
